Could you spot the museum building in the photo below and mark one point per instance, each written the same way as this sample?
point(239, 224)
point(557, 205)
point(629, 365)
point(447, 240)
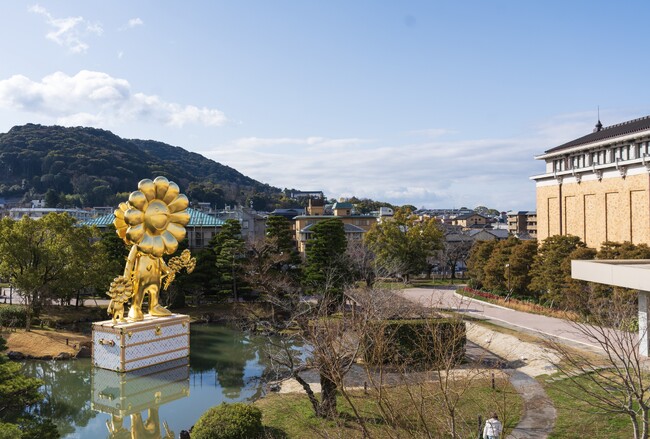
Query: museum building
point(596, 187)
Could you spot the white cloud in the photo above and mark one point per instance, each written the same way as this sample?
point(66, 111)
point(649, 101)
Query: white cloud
point(135, 22)
point(432, 172)
point(96, 98)
point(68, 32)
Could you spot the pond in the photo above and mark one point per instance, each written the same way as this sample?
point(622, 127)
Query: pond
point(225, 365)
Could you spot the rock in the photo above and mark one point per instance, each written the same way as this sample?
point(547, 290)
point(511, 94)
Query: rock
point(62, 356)
point(16, 356)
point(83, 352)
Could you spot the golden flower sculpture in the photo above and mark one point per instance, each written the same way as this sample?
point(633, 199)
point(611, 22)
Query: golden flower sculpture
point(154, 217)
point(152, 222)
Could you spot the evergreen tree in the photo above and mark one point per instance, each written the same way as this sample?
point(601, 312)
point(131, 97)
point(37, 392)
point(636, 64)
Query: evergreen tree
point(478, 258)
point(551, 269)
point(229, 250)
point(327, 267)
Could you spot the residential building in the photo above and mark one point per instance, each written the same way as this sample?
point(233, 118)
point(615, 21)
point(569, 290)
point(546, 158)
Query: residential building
point(470, 220)
point(523, 224)
point(355, 225)
point(596, 186)
point(253, 224)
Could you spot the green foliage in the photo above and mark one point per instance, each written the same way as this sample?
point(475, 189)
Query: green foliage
point(551, 269)
point(327, 268)
point(229, 421)
point(12, 316)
point(9, 431)
point(403, 244)
point(229, 251)
point(478, 258)
point(50, 258)
point(419, 343)
point(366, 205)
point(518, 275)
point(88, 166)
point(495, 268)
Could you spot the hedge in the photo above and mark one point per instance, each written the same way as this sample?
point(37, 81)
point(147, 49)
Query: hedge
point(417, 343)
point(229, 421)
point(12, 316)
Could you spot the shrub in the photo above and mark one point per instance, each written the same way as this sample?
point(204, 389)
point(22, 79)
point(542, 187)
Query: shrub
point(229, 421)
point(418, 344)
point(12, 316)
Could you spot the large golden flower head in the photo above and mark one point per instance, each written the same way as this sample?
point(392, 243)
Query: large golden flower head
point(154, 217)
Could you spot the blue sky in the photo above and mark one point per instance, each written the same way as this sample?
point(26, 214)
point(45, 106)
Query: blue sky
point(431, 103)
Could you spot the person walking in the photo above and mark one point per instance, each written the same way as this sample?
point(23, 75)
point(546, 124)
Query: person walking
point(493, 428)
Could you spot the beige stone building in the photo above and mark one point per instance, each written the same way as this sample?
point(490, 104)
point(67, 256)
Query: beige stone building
point(597, 186)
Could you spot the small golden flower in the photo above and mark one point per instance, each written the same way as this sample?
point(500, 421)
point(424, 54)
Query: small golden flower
point(121, 289)
point(154, 217)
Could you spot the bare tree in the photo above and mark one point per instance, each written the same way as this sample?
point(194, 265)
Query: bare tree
point(617, 382)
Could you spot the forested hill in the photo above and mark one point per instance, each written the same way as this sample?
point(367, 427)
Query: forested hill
point(89, 166)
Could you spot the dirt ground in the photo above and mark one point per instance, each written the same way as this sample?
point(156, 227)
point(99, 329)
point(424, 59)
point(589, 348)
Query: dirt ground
point(39, 343)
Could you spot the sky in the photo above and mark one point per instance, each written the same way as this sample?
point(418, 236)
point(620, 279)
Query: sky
point(437, 104)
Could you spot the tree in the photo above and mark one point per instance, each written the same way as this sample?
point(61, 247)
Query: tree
point(455, 249)
point(478, 257)
point(519, 264)
point(497, 265)
point(618, 383)
point(403, 245)
point(280, 235)
point(229, 247)
point(44, 258)
point(327, 268)
point(18, 392)
point(550, 272)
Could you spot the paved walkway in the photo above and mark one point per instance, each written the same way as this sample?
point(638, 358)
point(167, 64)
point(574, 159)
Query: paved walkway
point(539, 412)
point(446, 298)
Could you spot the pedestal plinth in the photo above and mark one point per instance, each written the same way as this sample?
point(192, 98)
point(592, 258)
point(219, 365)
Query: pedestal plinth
point(129, 346)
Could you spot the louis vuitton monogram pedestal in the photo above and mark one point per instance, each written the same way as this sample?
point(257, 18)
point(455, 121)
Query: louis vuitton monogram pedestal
point(128, 346)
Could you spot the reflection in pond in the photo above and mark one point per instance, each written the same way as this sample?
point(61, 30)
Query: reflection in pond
point(129, 394)
point(226, 365)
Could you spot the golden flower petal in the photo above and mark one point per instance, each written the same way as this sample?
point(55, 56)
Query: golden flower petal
point(138, 200)
point(119, 214)
point(133, 217)
point(121, 232)
point(171, 244)
point(177, 231)
point(158, 246)
point(135, 233)
point(146, 245)
point(148, 188)
point(181, 218)
point(172, 192)
point(180, 203)
point(162, 184)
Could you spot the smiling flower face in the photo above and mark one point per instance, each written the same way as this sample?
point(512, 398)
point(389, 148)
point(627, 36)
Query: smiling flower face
point(154, 217)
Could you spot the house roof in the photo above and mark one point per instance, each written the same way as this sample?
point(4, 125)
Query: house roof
point(197, 219)
point(469, 215)
point(621, 129)
point(343, 205)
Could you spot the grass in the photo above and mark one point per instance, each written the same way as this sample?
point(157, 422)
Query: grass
point(293, 415)
point(578, 419)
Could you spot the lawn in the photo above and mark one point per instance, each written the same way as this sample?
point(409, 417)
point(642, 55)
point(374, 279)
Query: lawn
point(577, 418)
point(407, 412)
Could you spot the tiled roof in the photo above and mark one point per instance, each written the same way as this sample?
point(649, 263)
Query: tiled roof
point(343, 205)
point(621, 129)
point(197, 219)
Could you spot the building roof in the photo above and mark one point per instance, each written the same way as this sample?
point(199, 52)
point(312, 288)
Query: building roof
point(469, 215)
point(621, 129)
point(349, 228)
point(342, 205)
point(197, 219)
